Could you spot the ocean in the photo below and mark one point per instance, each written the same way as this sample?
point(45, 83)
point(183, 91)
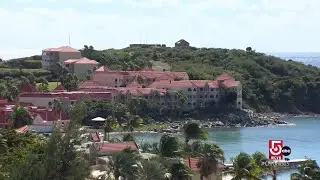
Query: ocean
point(312, 58)
point(303, 138)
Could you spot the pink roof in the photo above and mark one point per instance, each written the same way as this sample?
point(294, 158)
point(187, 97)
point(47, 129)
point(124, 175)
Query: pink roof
point(73, 95)
point(103, 69)
point(80, 61)
point(225, 76)
point(194, 162)
point(172, 84)
point(134, 84)
point(146, 73)
point(116, 147)
point(70, 61)
point(59, 88)
point(89, 83)
point(27, 87)
point(83, 60)
point(62, 49)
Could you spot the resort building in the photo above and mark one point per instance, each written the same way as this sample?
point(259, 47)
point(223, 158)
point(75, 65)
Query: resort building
point(52, 56)
point(43, 118)
point(163, 87)
point(145, 77)
point(81, 67)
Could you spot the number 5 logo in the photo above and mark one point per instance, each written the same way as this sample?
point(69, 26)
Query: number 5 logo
point(275, 147)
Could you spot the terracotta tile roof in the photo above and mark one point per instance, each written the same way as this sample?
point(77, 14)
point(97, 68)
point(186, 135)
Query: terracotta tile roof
point(172, 84)
point(59, 88)
point(103, 69)
point(116, 147)
point(27, 87)
point(134, 84)
point(62, 49)
point(145, 73)
point(73, 95)
point(194, 161)
point(230, 83)
point(80, 61)
point(70, 61)
point(89, 83)
point(225, 76)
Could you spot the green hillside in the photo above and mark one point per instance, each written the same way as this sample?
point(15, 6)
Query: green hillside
point(269, 83)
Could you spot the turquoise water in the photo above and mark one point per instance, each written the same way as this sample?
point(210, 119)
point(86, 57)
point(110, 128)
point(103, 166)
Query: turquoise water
point(303, 139)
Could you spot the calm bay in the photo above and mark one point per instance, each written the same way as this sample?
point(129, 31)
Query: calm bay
point(303, 138)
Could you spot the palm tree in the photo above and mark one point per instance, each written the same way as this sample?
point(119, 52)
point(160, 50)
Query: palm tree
point(152, 169)
point(128, 137)
point(125, 164)
point(243, 167)
point(3, 144)
point(109, 126)
point(207, 165)
point(57, 106)
point(179, 171)
point(132, 122)
point(192, 130)
point(308, 170)
point(258, 158)
point(181, 100)
point(19, 117)
point(169, 146)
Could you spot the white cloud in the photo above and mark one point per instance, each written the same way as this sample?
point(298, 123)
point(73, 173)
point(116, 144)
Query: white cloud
point(99, 1)
point(266, 25)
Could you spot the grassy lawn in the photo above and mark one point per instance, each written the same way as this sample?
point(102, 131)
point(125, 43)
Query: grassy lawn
point(52, 85)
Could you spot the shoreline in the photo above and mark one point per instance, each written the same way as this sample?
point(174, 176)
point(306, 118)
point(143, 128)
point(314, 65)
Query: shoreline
point(241, 119)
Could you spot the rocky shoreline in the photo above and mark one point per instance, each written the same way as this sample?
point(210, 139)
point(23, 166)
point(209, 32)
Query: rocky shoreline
point(243, 118)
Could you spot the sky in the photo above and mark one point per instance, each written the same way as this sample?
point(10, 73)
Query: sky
point(28, 26)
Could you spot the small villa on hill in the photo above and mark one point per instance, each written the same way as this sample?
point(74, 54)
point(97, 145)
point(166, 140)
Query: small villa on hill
point(182, 43)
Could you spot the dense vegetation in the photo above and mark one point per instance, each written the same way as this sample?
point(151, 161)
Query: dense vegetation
point(269, 83)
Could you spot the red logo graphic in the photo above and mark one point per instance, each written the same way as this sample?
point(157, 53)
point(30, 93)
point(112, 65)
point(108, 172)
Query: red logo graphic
point(275, 148)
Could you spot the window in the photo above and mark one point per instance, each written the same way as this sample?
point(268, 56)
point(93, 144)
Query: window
point(189, 104)
point(211, 89)
point(216, 96)
point(201, 96)
point(189, 89)
point(206, 96)
point(239, 103)
point(201, 89)
point(211, 96)
point(116, 86)
point(194, 103)
point(194, 89)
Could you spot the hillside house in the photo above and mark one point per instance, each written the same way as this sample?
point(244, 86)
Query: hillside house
point(81, 67)
point(182, 43)
point(52, 56)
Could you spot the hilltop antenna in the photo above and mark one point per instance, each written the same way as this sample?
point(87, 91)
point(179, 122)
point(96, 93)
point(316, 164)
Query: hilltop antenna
point(69, 40)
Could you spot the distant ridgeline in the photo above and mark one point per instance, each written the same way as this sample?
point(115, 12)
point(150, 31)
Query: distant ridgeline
point(306, 58)
point(147, 45)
